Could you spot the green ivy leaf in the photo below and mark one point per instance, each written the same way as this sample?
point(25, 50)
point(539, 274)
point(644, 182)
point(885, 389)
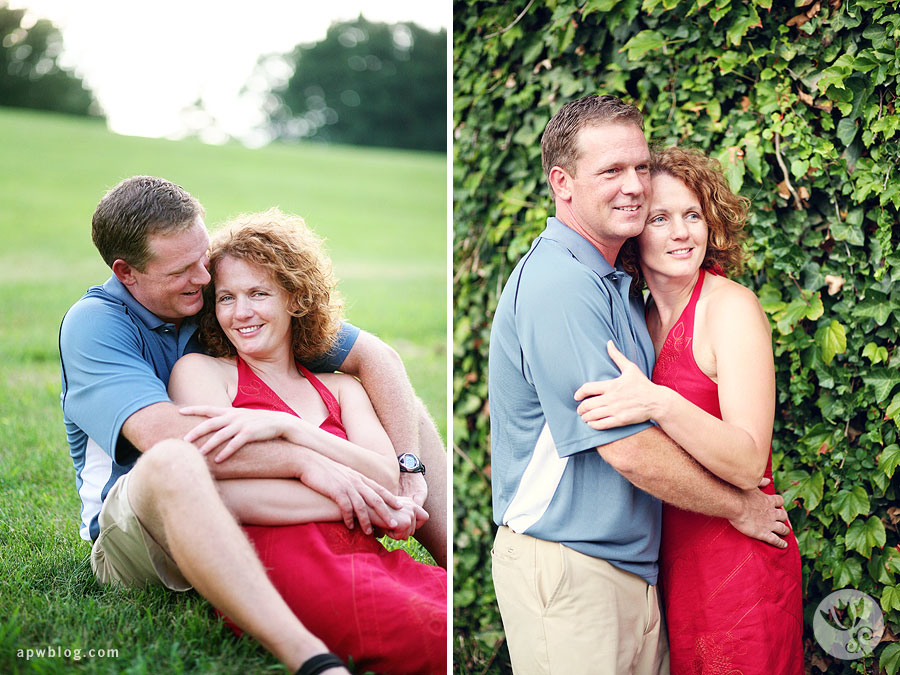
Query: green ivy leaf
point(731, 61)
point(643, 42)
point(770, 299)
point(846, 130)
point(598, 6)
point(889, 457)
point(863, 535)
point(741, 25)
point(720, 10)
point(878, 567)
point(890, 658)
point(890, 598)
point(753, 157)
point(850, 503)
point(816, 309)
point(875, 353)
point(788, 317)
point(877, 309)
point(802, 485)
point(733, 167)
point(835, 75)
point(847, 232)
point(831, 340)
point(882, 381)
point(847, 572)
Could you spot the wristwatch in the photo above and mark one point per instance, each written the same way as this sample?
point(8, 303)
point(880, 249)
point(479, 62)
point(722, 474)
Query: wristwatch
point(409, 463)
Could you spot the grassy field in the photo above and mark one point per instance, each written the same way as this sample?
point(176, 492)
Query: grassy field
point(383, 215)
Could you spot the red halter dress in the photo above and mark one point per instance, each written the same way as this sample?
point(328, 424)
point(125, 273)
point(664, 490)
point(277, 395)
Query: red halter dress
point(382, 609)
point(732, 603)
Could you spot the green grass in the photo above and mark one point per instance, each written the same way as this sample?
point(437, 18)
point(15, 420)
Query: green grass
point(383, 215)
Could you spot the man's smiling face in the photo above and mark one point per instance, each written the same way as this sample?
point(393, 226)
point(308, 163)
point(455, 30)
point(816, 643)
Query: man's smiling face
point(172, 281)
point(609, 190)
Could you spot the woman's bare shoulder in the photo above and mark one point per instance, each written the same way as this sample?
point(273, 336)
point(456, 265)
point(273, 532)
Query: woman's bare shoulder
point(731, 306)
point(197, 370)
point(343, 386)
point(336, 381)
point(202, 363)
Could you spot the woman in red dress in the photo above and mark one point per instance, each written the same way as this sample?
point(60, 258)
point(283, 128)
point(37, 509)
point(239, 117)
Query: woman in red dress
point(271, 305)
point(732, 603)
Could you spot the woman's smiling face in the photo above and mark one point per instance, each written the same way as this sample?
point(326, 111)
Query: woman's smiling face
point(251, 309)
point(674, 239)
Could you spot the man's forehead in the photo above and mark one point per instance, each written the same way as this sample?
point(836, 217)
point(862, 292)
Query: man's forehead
point(596, 129)
point(171, 248)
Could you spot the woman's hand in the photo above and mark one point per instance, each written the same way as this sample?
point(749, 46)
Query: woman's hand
point(627, 399)
point(408, 518)
point(235, 427)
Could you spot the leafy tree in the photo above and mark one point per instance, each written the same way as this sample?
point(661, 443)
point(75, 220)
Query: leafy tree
point(798, 100)
point(30, 76)
point(367, 84)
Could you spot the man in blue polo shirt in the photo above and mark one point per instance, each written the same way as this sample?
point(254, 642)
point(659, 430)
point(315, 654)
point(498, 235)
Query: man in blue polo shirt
point(578, 510)
point(149, 505)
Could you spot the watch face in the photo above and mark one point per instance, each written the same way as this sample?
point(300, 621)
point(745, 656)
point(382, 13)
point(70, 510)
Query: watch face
point(408, 461)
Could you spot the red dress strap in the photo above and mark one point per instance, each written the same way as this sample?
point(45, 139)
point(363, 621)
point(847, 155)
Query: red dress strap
point(253, 392)
point(687, 314)
point(331, 402)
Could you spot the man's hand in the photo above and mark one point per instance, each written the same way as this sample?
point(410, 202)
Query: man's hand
point(763, 517)
point(413, 485)
point(353, 492)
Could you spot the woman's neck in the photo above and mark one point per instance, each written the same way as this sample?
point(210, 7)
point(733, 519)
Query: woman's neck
point(670, 296)
point(272, 367)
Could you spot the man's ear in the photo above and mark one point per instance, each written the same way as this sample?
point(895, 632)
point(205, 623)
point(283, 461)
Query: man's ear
point(560, 181)
point(124, 272)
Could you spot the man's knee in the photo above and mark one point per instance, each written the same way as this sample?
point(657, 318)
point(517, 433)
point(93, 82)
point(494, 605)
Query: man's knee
point(172, 465)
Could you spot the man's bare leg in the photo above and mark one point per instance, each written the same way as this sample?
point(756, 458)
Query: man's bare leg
point(175, 498)
point(433, 534)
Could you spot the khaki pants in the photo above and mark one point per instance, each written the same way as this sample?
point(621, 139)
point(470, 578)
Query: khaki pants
point(566, 613)
point(125, 553)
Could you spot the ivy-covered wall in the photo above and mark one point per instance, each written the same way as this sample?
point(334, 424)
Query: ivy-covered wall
point(798, 101)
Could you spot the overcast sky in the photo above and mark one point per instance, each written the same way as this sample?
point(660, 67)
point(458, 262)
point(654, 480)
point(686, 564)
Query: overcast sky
point(146, 62)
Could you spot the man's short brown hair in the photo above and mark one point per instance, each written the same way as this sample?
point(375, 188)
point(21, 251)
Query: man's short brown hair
point(135, 209)
point(559, 142)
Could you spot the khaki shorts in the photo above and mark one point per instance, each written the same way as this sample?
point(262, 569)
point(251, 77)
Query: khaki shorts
point(125, 553)
point(566, 613)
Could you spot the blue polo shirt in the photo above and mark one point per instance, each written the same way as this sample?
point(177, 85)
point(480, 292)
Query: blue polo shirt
point(561, 304)
point(115, 359)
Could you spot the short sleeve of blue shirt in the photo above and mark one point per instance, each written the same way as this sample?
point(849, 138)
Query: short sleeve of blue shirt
point(333, 360)
point(563, 329)
point(106, 378)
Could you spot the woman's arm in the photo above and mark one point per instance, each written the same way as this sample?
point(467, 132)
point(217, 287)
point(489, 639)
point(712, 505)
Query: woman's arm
point(735, 448)
point(197, 379)
point(232, 428)
point(276, 501)
point(367, 442)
